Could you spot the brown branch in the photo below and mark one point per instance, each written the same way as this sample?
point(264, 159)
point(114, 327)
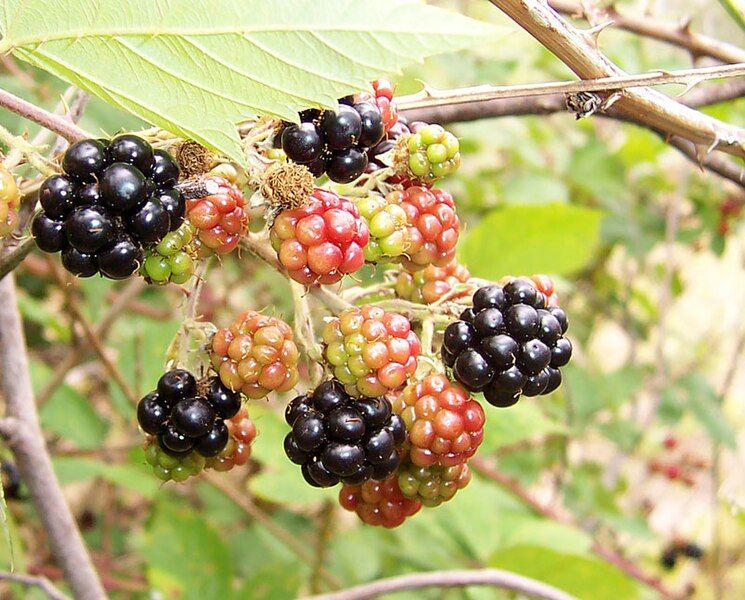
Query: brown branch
point(560, 515)
point(42, 583)
point(579, 51)
point(448, 579)
point(56, 123)
point(677, 35)
point(25, 438)
point(12, 255)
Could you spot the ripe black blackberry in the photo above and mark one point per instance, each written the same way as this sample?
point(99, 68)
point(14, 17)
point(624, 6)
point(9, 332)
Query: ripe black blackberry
point(185, 416)
point(510, 343)
point(335, 142)
point(114, 199)
point(337, 438)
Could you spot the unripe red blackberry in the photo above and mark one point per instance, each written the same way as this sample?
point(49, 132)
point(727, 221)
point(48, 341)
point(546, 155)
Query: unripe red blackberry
point(379, 502)
point(382, 97)
point(432, 283)
point(242, 432)
point(433, 226)
point(432, 485)
point(336, 438)
point(255, 355)
point(219, 218)
point(321, 241)
point(445, 424)
point(388, 225)
point(372, 351)
point(10, 200)
point(510, 343)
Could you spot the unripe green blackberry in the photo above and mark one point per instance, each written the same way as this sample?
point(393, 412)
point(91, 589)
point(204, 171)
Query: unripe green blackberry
point(432, 485)
point(387, 222)
point(172, 259)
point(168, 466)
point(428, 154)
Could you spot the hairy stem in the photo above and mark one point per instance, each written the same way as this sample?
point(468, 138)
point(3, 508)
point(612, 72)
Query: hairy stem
point(56, 123)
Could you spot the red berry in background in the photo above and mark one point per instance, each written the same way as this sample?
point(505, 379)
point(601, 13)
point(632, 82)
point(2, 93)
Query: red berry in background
point(433, 226)
point(321, 241)
point(379, 502)
point(670, 442)
point(242, 432)
point(445, 424)
point(431, 283)
point(672, 472)
point(371, 351)
point(256, 355)
point(219, 218)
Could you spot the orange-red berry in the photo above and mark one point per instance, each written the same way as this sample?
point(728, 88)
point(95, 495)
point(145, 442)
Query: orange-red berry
point(379, 502)
point(220, 218)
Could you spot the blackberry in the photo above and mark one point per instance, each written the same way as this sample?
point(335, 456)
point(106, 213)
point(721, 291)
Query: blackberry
point(388, 227)
point(219, 218)
point(432, 283)
point(692, 550)
point(428, 154)
point(168, 466)
point(432, 485)
point(241, 434)
point(184, 416)
point(337, 438)
point(379, 502)
point(510, 343)
point(114, 200)
point(669, 558)
point(172, 259)
point(335, 142)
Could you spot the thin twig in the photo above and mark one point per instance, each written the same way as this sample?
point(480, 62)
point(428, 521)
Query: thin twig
point(446, 579)
point(13, 254)
point(676, 34)
point(26, 439)
point(323, 537)
point(56, 123)
point(42, 583)
point(284, 536)
point(74, 115)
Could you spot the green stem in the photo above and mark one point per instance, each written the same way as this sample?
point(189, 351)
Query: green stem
point(736, 9)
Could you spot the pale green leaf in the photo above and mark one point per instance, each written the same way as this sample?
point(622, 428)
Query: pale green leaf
point(197, 67)
point(523, 421)
point(556, 239)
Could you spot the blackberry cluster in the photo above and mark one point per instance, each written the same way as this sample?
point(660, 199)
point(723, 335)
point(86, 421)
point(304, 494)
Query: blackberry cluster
point(445, 425)
point(379, 502)
point(371, 351)
point(237, 451)
point(432, 485)
point(172, 259)
point(337, 438)
point(321, 241)
point(429, 153)
point(509, 343)
point(335, 143)
point(257, 354)
point(432, 283)
point(112, 201)
point(185, 417)
point(10, 200)
point(168, 466)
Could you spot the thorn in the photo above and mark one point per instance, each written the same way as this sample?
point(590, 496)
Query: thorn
point(692, 84)
point(593, 33)
point(685, 25)
point(610, 101)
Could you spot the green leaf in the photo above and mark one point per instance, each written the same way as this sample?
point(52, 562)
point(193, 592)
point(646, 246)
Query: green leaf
point(551, 238)
point(584, 577)
point(186, 559)
point(706, 406)
point(137, 479)
point(198, 67)
point(523, 421)
point(534, 187)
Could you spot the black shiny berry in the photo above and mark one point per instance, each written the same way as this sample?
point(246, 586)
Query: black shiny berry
point(447, 357)
point(296, 408)
point(214, 441)
point(473, 370)
point(175, 440)
point(342, 459)
point(361, 475)
point(549, 328)
point(84, 159)
point(122, 187)
point(387, 467)
point(309, 432)
point(520, 291)
point(316, 473)
point(375, 411)
point(499, 397)
point(669, 558)
point(534, 357)
point(88, 194)
point(488, 322)
point(373, 129)
point(692, 550)
point(489, 296)
point(150, 222)
point(48, 233)
point(302, 143)
point(345, 424)
point(458, 336)
point(342, 128)
point(133, 150)
point(120, 259)
point(561, 353)
point(346, 165)
point(554, 380)
point(560, 316)
point(511, 379)
point(79, 264)
point(501, 350)
point(318, 166)
point(329, 395)
point(379, 446)
point(193, 416)
point(293, 451)
point(522, 322)
point(165, 171)
point(177, 384)
point(152, 413)
point(57, 196)
point(225, 401)
point(173, 202)
point(397, 427)
point(89, 228)
point(467, 315)
point(536, 384)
